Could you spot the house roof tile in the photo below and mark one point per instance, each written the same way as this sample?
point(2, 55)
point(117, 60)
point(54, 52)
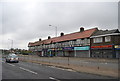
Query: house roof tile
point(103, 32)
point(72, 36)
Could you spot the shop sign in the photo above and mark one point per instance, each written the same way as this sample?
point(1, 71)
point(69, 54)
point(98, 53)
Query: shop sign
point(117, 47)
point(68, 48)
point(82, 48)
point(104, 46)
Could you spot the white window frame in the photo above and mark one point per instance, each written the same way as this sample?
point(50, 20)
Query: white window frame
point(107, 38)
point(98, 40)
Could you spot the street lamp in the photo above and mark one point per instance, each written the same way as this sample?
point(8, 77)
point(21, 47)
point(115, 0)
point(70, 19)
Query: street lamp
point(11, 43)
point(56, 36)
point(55, 29)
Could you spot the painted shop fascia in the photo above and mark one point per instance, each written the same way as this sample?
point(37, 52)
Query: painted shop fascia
point(102, 47)
point(117, 47)
point(82, 48)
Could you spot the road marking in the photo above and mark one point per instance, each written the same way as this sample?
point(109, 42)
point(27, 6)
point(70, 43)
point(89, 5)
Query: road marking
point(53, 78)
point(28, 70)
point(10, 64)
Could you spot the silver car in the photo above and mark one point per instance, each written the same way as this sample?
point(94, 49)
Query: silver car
point(12, 58)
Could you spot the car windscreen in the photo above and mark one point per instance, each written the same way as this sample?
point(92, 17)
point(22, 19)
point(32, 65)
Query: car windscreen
point(12, 56)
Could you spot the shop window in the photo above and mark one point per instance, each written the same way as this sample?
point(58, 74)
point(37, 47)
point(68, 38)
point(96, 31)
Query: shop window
point(107, 39)
point(97, 40)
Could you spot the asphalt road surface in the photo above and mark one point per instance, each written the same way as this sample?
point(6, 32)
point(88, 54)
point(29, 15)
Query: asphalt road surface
point(26, 70)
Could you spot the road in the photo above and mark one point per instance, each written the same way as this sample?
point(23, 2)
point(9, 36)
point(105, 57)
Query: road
point(27, 70)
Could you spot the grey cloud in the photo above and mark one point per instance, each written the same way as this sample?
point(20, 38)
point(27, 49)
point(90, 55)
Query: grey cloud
point(27, 21)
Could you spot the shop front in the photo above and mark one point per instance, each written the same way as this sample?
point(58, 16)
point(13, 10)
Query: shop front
point(51, 52)
point(117, 51)
point(60, 52)
point(82, 51)
point(44, 52)
point(39, 52)
point(103, 51)
point(68, 51)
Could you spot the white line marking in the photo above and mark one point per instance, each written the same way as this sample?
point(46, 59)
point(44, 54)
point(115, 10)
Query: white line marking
point(53, 78)
point(28, 70)
point(10, 64)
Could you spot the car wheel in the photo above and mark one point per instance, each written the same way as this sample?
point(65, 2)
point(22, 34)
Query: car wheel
point(17, 62)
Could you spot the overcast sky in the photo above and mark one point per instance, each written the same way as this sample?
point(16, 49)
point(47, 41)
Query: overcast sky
point(27, 21)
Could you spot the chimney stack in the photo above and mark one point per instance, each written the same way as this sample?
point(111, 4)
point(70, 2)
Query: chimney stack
point(81, 29)
point(61, 34)
point(40, 39)
point(49, 37)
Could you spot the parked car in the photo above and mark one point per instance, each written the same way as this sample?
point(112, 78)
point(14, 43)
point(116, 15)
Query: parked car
point(12, 58)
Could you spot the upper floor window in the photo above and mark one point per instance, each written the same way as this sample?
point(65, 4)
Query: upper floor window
point(107, 39)
point(97, 40)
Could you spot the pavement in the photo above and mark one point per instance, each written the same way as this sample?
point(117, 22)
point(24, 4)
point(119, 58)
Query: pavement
point(104, 67)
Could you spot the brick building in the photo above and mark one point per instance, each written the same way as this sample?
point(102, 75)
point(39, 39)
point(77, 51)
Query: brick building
point(84, 43)
point(75, 44)
point(105, 44)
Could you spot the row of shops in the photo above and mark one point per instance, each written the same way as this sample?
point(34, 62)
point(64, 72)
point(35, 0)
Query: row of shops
point(85, 43)
point(103, 51)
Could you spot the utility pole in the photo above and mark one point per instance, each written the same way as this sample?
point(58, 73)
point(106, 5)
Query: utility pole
point(55, 29)
point(11, 44)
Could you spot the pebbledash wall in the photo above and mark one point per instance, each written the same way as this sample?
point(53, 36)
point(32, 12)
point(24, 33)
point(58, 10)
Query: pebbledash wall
point(85, 43)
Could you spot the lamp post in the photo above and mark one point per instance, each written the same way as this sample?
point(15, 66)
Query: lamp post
point(11, 44)
point(55, 29)
point(56, 36)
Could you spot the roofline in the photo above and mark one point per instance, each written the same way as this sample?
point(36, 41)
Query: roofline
point(105, 35)
point(65, 35)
